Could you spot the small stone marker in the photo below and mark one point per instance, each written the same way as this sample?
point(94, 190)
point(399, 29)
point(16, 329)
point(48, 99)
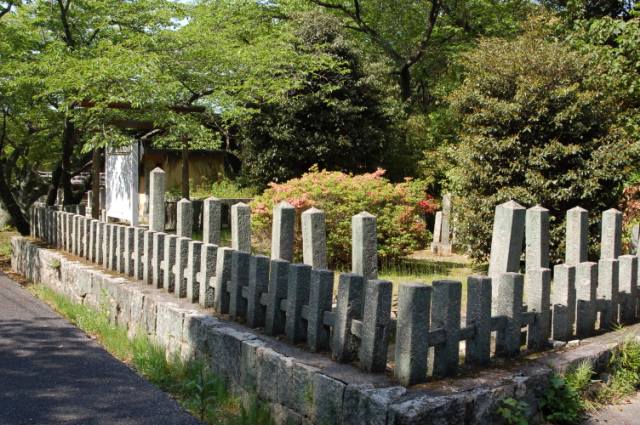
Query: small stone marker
point(148, 252)
point(507, 239)
point(282, 231)
point(320, 299)
point(577, 236)
point(344, 345)
point(445, 315)
point(278, 279)
point(258, 285)
point(127, 252)
point(374, 341)
point(208, 261)
point(607, 290)
point(364, 256)
point(184, 224)
point(182, 255)
point(241, 227)
point(211, 221)
point(628, 295)
point(478, 349)
point(157, 255)
point(314, 238)
point(156, 200)
point(138, 252)
point(193, 268)
point(223, 275)
point(120, 251)
point(509, 304)
point(297, 297)
point(100, 238)
point(564, 302)
point(586, 286)
point(168, 262)
point(240, 263)
point(412, 333)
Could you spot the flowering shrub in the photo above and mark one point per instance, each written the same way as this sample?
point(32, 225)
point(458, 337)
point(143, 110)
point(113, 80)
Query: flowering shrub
point(398, 209)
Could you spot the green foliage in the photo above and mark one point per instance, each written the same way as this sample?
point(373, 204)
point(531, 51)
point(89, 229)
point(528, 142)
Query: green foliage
point(191, 382)
point(537, 127)
point(514, 412)
point(562, 403)
point(400, 227)
point(624, 367)
point(338, 118)
point(223, 188)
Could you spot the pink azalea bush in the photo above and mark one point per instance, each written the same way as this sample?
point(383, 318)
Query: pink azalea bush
point(398, 209)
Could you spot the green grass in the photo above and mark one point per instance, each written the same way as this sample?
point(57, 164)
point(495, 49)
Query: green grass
point(191, 382)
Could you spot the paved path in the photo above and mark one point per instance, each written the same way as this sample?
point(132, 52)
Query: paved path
point(622, 414)
point(51, 373)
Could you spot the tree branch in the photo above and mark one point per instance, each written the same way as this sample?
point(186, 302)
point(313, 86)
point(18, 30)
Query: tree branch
point(64, 9)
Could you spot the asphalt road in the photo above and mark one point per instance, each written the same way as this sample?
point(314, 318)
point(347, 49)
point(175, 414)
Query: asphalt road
point(52, 373)
point(621, 414)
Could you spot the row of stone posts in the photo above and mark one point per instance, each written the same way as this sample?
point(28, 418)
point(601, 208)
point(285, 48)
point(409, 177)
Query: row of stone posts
point(297, 300)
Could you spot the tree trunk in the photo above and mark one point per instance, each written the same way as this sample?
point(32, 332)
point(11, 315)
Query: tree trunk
point(405, 83)
point(9, 201)
point(95, 184)
point(68, 140)
point(185, 169)
point(52, 194)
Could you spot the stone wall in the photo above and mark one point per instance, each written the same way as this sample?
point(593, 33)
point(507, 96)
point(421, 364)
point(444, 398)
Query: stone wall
point(300, 387)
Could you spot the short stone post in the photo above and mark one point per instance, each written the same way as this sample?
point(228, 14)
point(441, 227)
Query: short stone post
point(111, 246)
point(156, 200)
point(445, 315)
point(509, 305)
point(507, 239)
point(193, 268)
point(314, 238)
point(586, 287)
point(127, 252)
point(344, 345)
point(282, 231)
point(412, 333)
point(635, 239)
point(278, 278)
point(138, 252)
point(120, 258)
point(168, 263)
point(611, 238)
point(84, 237)
point(258, 285)
point(74, 232)
point(607, 290)
point(211, 221)
point(320, 299)
point(577, 238)
point(376, 315)
point(147, 241)
point(478, 349)
point(208, 260)
point(241, 227)
point(182, 253)
point(297, 296)
point(364, 246)
point(157, 256)
point(93, 230)
point(564, 302)
point(628, 288)
point(99, 246)
point(184, 224)
point(68, 232)
point(538, 290)
point(239, 280)
point(223, 275)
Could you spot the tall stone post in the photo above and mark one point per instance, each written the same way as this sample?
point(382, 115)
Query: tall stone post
point(314, 238)
point(507, 239)
point(282, 231)
point(364, 246)
point(156, 200)
point(577, 236)
point(184, 224)
point(537, 238)
point(211, 221)
point(611, 242)
point(241, 227)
